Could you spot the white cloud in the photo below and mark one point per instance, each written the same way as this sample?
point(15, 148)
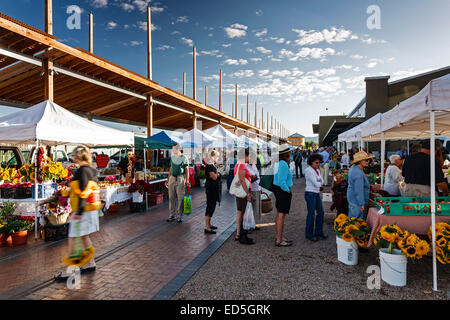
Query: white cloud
point(356, 56)
point(134, 43)
point(255, 59)
point(143, 25)
point(236, 31)
point(306, 52)
point(226, 45)
point(322, 72)
point(209, 78)
point(214, 53)
point(127, 7)
point(281, 73)
point(126, 27)
point(234, 62)
point(187, 41)
point(182, 19)
point(243, 74)
point(309, 37)
point(175, 32)
point(111, 25)
point(99, 3)
point(165, 47)
point(277, 40)
point(374, 62)
point(263, 32)
point(263, 50)
point(259, 13)
point(210, 35)
point(369, 40)
point(406, 73)
point(344, 66)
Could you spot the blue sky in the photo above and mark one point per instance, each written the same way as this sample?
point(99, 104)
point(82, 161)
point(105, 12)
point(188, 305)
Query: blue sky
point(295, 58)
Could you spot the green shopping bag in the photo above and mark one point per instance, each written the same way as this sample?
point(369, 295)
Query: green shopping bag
point(188, 202)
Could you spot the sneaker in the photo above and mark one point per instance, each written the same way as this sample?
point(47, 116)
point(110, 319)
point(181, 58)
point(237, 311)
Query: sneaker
point(180, 220)
point(210, 231)
point(213, 227)
point(88, 267)
point(171, 219)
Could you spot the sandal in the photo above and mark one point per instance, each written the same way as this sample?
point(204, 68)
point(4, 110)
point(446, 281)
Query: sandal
point(283, 244)
point(236, 238)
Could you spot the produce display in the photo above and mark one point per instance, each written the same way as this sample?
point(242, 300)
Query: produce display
point(413, 205)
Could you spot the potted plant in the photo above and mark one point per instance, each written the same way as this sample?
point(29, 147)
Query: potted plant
point(18, 228)
point(395, 247)
point(350, 233)
point(6, 212)
point(442, 242)
point(202, 177)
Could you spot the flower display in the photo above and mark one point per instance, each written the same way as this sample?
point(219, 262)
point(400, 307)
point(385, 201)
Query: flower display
point(139, 186)
point(352, 229)
point(442, 241)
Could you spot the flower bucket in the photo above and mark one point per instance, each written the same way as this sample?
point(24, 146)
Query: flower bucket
point(347, 252)
point(5, 240)
point(19, 238)
point(393, 267)
point(58, 219)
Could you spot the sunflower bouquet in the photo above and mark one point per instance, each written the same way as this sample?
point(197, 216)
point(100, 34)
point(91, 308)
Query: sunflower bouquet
point(389, 236)
point(352, 229)
point(442, 242)
point(54, 171)
point(412, 246)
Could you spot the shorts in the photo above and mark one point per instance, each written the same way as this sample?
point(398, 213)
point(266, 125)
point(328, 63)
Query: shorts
point(88, 224)
point(283, 199)
point(241, 204)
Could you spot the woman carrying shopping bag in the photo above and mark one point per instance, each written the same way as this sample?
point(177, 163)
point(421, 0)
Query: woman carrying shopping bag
point(213, 179)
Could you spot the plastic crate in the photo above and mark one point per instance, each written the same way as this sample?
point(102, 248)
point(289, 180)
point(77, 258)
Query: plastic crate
point(155, 198)
point(56, 232)
point(414, 206)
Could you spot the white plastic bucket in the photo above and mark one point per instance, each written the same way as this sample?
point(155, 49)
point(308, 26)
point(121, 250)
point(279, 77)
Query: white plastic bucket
point(137, 197)
point(347, 252)
point(393, 267)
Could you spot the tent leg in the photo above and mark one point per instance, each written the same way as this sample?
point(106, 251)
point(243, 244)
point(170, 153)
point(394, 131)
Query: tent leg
point(433, 196)
point(36, 186)
point(145, 177)
point(382, 156)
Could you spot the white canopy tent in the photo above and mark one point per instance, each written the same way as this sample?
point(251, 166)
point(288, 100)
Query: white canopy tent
point(53, 125)
point(424, 115)
point(50, 124)
point(224, 137)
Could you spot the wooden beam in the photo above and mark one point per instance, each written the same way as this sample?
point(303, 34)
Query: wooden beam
point(91, 33)
point(220, 90)
point(174, 116)
point(149, 44)
point(194, 74)
point(49, 16)
point(194, 119)
point(115, 106)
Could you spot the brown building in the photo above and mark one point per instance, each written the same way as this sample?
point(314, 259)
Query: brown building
point(297, 140)
point(381, 96)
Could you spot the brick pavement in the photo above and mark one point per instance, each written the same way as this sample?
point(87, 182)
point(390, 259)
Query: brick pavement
point(137, 256)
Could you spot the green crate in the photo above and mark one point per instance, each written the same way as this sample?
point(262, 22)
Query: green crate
point(405, 206)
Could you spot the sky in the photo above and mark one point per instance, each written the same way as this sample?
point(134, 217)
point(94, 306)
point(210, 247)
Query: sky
point(297, 59)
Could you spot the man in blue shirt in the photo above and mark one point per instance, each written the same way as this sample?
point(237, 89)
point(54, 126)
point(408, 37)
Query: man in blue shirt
point(402, 153)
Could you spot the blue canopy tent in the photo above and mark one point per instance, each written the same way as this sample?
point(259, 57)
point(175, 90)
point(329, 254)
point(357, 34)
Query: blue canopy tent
point(160, 141)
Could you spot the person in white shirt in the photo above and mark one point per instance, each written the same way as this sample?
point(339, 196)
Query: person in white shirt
point(256, 189)
point(314, 182)
point(345, 160)
point(393, 175)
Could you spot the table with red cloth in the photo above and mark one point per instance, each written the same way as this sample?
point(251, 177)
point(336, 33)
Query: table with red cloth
point(414, 224)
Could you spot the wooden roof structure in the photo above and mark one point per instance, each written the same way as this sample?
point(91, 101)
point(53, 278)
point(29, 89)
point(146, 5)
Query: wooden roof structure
point(87, 84)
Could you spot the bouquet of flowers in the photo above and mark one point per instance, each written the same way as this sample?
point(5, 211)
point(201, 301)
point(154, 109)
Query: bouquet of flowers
point(10, 175)
point(111, 179)
point(140, 186)
point(54, 171)
point(442, 242)
point(392, 237)
point(352, 229)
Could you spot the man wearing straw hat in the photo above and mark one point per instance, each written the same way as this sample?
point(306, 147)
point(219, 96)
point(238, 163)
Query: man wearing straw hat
point(358, 185)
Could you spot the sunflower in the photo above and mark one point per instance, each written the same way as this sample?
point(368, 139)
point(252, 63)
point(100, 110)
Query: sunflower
point(52, 169)
point(442, 242)
point(441, 259)
point(350, 228)
point(397, 228)
point(347, 237)
point(64, 173)
point(388, 236)
point(341, 218)
point(422, 248)
point(410, 252)
point(412, 240)
point(361, 243)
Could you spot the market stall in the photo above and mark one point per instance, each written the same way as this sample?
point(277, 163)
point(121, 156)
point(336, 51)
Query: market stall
point(49, 124)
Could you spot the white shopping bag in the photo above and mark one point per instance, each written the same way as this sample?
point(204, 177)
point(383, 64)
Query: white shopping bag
point(248, 219)
point(327, 197)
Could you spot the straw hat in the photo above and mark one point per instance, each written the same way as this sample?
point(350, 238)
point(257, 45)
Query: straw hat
point(284, 148)
point(360, 156)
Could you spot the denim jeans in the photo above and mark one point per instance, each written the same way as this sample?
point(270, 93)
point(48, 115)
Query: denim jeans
point(354, 211)
point(314, 222)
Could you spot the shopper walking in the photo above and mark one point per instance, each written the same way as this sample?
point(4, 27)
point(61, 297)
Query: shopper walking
point(298, 159)
point(256, 188)
point(177, 180)
point(241, 203)
point(325, 166)
point(282, 184)
point(231, 163)
point(358, 186)
point(314, 182)
point(213, 179)
point(85, 202)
